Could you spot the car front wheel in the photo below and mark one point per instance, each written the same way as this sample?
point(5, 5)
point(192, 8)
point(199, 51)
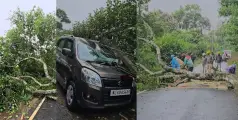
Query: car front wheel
point(70, 97)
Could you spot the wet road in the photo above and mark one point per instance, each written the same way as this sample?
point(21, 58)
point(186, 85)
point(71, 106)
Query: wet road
point(187, 104)
point(56, 110)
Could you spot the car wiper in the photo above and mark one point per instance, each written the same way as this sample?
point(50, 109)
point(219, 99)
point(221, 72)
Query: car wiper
point(99, 62)
point(92, 61)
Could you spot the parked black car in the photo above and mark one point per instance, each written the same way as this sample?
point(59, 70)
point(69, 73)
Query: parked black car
point(92, 75)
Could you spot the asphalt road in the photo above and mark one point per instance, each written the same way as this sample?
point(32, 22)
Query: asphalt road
point(56, 110)
point(187, 104)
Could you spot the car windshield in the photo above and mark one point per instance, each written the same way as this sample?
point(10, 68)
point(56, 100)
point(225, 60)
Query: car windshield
point(87, 53)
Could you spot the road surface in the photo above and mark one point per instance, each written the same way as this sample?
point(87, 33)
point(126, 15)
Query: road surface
point(187, 104)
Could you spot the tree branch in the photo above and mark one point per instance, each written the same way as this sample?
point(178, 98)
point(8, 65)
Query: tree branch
point(45, 92)
point(44, 67)
point(34, 90)
point(150, 72)
point(37, 82)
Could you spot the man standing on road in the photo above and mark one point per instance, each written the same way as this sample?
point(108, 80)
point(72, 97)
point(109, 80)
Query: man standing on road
point(219, 60)
point(188, 62)
point(210, 60)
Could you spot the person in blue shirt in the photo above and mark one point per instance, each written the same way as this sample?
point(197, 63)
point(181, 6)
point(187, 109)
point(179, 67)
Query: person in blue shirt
point(231, 69)
point(175, 63)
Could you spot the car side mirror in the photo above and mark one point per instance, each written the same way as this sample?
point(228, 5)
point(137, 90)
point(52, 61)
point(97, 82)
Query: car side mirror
point(67, 52)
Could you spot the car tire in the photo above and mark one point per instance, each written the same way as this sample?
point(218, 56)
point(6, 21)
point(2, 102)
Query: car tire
point(70, 97)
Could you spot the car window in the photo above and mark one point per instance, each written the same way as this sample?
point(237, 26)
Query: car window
point(87, 53)
point(61, 44)
point(68, 44)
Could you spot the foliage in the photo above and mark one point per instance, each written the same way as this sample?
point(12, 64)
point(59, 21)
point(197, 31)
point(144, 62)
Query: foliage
point(63, 18)
point(12, 92)
point(171, 44)
point(160, 22)
point(146, 82)
point(189, 17)
point(147, 56)
point(33, 35)
point(113, 25)
point(176, 33)
point(229, 10)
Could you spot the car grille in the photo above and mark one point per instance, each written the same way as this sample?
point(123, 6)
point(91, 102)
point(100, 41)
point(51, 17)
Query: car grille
point(115, 83)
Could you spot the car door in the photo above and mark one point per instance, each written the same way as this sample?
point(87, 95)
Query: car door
point(70, 60)
point(59, 64)
point(60, 46)
point(67, 61)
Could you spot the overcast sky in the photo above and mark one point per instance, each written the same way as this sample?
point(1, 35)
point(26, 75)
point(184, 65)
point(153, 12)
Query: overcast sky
point(78, 10)
point(209, 7)
point(6, 6)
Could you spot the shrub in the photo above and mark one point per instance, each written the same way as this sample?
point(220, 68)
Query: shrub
point(12, 92)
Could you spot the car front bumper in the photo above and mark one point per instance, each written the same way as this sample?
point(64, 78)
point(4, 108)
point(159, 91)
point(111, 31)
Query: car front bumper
point(99, 98)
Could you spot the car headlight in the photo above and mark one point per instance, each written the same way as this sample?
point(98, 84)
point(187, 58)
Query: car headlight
point(91, 77)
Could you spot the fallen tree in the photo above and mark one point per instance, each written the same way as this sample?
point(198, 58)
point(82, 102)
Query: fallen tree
point(33, 89)
point(173, 75)
point(27, 58)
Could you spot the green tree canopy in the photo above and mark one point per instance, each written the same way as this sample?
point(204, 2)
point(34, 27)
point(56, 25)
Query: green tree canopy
point(229, 10)
point(63, 18)
point(113, 25)
point(190, 17)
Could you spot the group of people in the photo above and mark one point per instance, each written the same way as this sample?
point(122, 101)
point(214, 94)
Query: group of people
point(208, 60)
point(177, 63)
